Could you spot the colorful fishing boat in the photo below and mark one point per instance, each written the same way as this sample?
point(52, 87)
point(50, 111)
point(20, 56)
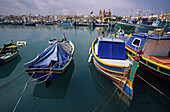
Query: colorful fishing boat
point(110, 60)
point(52, 62)
point(8, 52)
point(156, 54)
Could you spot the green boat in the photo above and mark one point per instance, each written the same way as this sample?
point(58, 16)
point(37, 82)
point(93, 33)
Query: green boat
point(129, 28)
point(8, 52)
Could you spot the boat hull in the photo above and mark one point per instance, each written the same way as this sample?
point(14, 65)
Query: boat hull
point(116, 73)
point(154, 69)
point(142, 28)
point(47, 73)
point(10, 58)
point(125, 26)
point(121, 83)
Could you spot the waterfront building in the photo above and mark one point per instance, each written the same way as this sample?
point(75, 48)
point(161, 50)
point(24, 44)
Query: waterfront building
point(105, 15)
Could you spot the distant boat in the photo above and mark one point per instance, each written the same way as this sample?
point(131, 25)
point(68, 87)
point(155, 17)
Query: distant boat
point(65, 23)
point(144, 27)
point(8, 52)
point(130, 28)
point(21, 43)
point(53, 41)
point(52, 62)
point(91, 24)
point(156, 57)
point(109, 58)
point(30, 24)
point(17, 23)
point(49, 23)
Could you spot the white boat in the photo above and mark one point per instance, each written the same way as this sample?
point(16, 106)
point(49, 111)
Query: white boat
point(21, 43)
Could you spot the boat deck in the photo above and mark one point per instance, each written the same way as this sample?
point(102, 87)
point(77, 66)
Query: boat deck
point(165, 60)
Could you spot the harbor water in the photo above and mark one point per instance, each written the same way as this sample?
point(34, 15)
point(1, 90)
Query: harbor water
point(80, 89)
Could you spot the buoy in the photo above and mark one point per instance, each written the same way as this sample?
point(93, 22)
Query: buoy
point(90, 58)
point(90, 50)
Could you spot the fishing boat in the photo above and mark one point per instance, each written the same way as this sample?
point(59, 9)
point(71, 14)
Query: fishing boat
point(145, 27)
point(130, 28)
point(49, 23)
point(52, 41)
point(156, 54)
point(52, 62)
point(109, 58)
point(8, 52)
point(30, 24)
point(65, 23)
point(58, 89)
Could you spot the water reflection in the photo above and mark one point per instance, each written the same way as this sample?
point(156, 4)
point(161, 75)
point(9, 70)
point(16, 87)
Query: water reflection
point(58, 87)
point(117, 99)
point(6, 70)
point(145, 98)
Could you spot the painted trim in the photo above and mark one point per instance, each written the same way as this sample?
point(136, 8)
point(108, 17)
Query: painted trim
point(104, 63)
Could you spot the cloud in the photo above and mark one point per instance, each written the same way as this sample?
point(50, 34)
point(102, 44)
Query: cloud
point(53, 7)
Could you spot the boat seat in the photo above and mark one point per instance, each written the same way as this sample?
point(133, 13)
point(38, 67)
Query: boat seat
point(165, 60)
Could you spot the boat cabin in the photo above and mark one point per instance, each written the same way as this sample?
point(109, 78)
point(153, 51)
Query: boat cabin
point(109, 48)
point(156, 48)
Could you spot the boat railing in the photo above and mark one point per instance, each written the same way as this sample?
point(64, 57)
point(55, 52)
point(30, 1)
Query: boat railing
point(148, 60)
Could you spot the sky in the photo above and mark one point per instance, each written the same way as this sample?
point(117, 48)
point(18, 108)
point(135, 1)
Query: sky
point(83, 7)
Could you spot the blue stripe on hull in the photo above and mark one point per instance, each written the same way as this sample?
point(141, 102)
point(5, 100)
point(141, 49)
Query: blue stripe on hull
point(108, 67)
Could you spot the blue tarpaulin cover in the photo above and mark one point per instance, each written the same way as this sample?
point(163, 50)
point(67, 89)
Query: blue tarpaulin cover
point(111, 50)
point(53, 57)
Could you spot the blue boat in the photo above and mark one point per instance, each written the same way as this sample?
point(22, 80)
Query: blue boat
point(8, 52)
point(52, 62)
point(156, 54)
point(143, 27)
point(109, 58)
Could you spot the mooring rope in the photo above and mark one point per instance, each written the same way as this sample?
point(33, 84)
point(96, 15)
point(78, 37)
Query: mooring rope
point(30, 82)
point(22, 93)
point(154, 87)
point(108, 100)
point(48, 75)
point(12, 79)
point(103, 99)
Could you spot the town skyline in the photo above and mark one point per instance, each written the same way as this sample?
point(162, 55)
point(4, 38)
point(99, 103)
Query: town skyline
point(83, 7)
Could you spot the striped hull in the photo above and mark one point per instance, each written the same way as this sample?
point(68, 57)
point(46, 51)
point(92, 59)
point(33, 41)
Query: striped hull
point(13, 56)
point(115, 73)
point(151, 67)
point(122, 83)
